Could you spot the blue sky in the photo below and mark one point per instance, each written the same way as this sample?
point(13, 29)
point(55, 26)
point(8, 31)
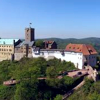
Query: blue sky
point(50, 18)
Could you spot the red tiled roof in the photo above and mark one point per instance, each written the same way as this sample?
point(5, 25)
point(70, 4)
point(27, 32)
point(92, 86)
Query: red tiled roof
point(48, 42)
point(84, 48)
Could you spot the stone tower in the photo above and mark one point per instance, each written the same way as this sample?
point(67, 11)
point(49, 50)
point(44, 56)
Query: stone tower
point(29, 34)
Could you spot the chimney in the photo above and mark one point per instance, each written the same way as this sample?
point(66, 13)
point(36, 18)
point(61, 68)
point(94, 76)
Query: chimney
point(14, 43)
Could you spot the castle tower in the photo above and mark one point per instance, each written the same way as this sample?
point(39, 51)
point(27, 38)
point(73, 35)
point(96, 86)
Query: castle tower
point(29, 34)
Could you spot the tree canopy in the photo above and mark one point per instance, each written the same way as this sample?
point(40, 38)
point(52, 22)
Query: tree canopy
point(30, 87)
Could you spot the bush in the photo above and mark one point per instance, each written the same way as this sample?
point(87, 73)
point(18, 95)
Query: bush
point(58, 97)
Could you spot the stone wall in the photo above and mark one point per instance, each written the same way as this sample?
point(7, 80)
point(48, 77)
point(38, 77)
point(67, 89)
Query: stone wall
point(19, 56)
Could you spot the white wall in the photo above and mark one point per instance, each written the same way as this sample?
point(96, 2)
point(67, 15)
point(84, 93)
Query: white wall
point(76, 58)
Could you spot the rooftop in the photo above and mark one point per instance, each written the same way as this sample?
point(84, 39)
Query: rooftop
point(8, 41)
point(25, 42)
point(48, 42)
point(86, 49)
point(61, 50)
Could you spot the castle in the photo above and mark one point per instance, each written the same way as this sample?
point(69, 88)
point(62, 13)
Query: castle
point(15, 49)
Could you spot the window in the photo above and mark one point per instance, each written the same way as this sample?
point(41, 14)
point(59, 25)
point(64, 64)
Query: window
point(10, 50)
point(78, 48)
point(73, 47)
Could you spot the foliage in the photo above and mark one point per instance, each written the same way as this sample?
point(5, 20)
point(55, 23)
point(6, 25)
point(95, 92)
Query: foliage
point(89, 91)
point(94, 96)
point(63, 42)
point(86, 87)
point(27, 71)
point(58, 97)
point(25, 91)
point(7, 93)
point(39, 43)
point(51, 72)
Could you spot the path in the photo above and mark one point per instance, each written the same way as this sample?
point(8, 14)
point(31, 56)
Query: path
point(71, 91)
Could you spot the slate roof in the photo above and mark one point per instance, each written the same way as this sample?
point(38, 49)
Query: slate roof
point(84, 48)
point(7, 41)
point(25, 42)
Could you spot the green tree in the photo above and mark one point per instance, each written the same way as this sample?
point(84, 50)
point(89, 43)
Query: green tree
point(86, 88)
point(6, 93)
point(58, 97)
point(51, 72)
point(39, 43)
point(94, 96)
point(26, 90)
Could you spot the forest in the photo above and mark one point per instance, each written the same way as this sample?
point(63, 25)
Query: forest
point(38, 80)
point(30, 86)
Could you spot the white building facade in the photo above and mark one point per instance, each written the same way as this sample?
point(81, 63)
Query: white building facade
point(87, 50)
point(76, 58)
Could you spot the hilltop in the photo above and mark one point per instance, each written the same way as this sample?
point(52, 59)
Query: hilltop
point(63, 42)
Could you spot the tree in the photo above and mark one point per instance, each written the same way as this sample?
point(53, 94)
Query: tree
point(94, 96)
point(39, 43)
point(51, 72)
point(42, 64)
point(86, 88)
point(26, 91)
point(6, 93)
point(58, 97)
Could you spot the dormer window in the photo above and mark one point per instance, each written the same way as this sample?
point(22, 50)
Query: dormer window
point(78, 48)
point(90, 51)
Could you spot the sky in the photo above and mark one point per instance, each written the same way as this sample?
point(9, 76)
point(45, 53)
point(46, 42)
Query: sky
point(50, 18)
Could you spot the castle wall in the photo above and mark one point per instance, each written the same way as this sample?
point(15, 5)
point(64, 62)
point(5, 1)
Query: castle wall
point(76, 58)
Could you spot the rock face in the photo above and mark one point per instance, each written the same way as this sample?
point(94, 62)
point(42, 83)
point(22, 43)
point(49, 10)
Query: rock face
point(93, 73)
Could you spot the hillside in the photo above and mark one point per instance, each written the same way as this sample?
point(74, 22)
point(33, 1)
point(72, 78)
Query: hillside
point(63, 42)
point(89, 91)
point(28, 85)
